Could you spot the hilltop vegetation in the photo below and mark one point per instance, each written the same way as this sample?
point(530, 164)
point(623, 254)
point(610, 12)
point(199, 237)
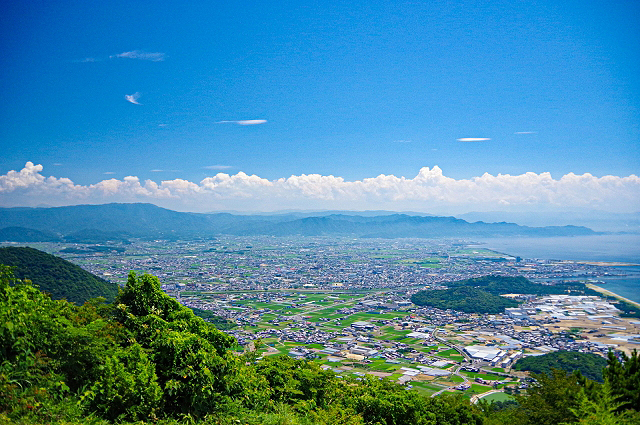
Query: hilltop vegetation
point(499, 285)
point(466, 299)
point(58, 277)
point(588, 364)
point(482, 294)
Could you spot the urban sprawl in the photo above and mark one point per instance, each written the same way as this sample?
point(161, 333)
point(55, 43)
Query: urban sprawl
point(346, 303)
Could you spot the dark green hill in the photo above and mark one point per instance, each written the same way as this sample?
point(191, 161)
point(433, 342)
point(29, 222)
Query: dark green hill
point(482, 294)
point(56, 276)
point(499, 285)
point(589, 364)
point(466, 299)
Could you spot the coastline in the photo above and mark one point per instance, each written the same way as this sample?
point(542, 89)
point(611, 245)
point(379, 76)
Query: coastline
point(608, 263)
point(611, 294)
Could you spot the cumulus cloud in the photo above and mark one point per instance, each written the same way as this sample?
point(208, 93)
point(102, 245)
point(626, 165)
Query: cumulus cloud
point(139, 54)
point(133, 98)
point(243, 122)
point(429, 190)
point(474, 139)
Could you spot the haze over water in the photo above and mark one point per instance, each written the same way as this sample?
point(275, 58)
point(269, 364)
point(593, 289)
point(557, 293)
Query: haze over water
point(614, 248)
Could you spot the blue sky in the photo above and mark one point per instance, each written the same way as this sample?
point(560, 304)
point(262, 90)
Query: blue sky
point(351, 91)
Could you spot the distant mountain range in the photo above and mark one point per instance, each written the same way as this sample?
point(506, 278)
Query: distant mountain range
point(118, 222)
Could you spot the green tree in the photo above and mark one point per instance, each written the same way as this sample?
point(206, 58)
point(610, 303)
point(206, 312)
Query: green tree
point(624, 379)
point(127, 388)
point(551, 400)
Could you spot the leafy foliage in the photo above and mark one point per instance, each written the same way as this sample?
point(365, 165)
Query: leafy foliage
point(624, 378)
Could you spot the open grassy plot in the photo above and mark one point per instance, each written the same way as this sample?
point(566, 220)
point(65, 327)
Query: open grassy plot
point(485, 376)
point(449, 353)
point(498, 397)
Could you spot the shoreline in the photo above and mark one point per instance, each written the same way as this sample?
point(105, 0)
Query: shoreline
point(608, 263)
point(611, 294)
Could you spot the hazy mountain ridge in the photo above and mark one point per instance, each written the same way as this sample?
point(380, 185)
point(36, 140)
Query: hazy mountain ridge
point(120, 221)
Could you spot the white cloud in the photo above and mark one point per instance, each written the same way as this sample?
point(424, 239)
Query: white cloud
point(474, 139)
point(139, 54)
point(133, 98)
point(109, 172)
point(430, 190)
point(526, 132)
point(402, 141)
point(243, 122)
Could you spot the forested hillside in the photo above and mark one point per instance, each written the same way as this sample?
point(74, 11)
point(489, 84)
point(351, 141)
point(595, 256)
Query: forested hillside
point(56, 276)
point(466, 299)
point(588, 364)
point(482, 294)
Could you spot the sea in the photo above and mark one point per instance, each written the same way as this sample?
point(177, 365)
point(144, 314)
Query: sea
point(621, 248)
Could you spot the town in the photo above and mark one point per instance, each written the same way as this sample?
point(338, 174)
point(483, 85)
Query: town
point(346, 304)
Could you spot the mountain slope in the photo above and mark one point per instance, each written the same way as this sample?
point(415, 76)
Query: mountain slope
point(121, 221)
point(56, 276)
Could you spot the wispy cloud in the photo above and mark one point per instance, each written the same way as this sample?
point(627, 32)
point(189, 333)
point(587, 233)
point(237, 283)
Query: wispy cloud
point(109, 172)
point(217, 167)
point(57, 164)
point(243, 122)
point(157, 170)
point(139, 54)
point(402, 141)
point(526, 132)
point(133, 98)
point(474, 139)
